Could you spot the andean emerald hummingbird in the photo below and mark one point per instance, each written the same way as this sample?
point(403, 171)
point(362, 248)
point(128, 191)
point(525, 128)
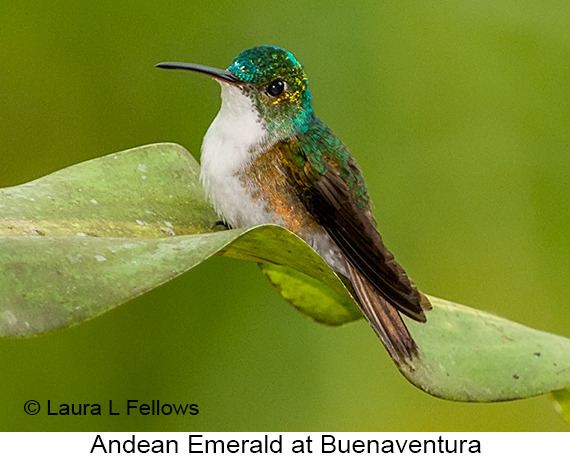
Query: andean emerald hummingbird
point(267, 158)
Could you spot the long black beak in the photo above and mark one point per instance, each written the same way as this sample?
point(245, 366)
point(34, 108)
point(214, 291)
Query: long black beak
point(223, 75)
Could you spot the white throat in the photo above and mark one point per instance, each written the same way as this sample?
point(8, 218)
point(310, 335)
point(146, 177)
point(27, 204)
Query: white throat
point(228, 147)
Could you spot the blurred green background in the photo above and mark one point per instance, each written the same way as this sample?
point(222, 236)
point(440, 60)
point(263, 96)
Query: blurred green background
point(458, 114)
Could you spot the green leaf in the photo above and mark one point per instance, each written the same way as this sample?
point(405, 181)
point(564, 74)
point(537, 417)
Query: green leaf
point(83, 240)
point(147, 192)
point(310, 296)
point(472, 355)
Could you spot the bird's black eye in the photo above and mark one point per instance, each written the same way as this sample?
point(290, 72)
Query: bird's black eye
point(276, 88)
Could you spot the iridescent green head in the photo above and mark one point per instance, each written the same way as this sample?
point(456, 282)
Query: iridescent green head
point(275, 82)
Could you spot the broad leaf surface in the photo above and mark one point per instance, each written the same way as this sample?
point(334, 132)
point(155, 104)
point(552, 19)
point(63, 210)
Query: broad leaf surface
point(83, 240)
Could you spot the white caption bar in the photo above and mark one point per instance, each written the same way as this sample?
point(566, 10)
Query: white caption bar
point(287, 444)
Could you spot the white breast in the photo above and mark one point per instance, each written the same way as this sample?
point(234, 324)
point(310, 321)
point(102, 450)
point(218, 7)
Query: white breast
point(227, 149)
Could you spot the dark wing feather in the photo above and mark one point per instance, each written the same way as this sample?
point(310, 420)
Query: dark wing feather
point(331, 202)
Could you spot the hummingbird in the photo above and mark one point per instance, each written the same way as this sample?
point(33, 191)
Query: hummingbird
point(267, 158)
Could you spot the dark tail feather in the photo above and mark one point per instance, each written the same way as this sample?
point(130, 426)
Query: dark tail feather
point(384, 318)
